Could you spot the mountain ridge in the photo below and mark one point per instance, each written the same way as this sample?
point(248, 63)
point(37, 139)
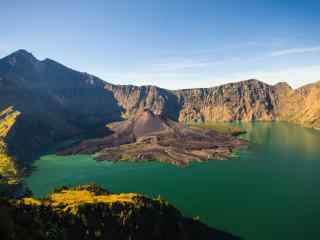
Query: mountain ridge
point(247, 100)
point(57, 102)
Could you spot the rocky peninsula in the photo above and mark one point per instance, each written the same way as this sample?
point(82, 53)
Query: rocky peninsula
point(148, 136)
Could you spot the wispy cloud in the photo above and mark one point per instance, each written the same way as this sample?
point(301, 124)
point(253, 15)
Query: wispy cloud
point(295, 76)
point(183, 64)
point(179, 64)
point(205, 70)
point(225, 54)
point(215, 49)
point(295, 51)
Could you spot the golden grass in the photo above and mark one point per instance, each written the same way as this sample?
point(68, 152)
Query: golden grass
point(31, 201)
point(71, 200)
point(8, 118)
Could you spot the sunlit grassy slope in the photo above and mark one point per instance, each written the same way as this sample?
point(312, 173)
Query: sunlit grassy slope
point(70, 200)
point(8, 118)
point(91, 212)
point(219, 127)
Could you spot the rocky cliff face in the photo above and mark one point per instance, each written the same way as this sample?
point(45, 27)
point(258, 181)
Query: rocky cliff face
point(301, 106)
point(245, 101)
point(134, 99)
point(249, 100)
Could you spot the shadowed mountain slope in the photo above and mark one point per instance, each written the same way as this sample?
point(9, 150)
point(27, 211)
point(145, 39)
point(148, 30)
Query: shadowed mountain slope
point(134, 99)
point(55, 103)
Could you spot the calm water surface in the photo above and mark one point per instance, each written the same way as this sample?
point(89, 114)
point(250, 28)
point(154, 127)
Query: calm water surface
point(269, 190)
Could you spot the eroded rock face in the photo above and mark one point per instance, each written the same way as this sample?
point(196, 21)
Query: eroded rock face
point(134, 99)
point(249, 100)
point(301, 106)
point(152, 137)
point(245, 101)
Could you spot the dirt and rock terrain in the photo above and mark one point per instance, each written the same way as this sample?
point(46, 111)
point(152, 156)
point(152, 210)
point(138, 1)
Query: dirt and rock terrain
point(152, 137)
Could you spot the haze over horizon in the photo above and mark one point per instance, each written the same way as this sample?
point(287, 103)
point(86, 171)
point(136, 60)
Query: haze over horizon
point(171, 44)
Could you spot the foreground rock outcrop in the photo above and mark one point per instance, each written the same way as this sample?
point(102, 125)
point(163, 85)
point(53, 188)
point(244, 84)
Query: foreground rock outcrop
point(90, 212)
point(152, 137)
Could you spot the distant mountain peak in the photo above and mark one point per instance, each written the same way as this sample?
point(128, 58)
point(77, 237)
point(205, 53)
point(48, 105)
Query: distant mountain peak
point(21, 55)
point(22, 51)
point(253, 81)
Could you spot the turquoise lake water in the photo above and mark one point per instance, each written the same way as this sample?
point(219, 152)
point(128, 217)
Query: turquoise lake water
point(268, 191)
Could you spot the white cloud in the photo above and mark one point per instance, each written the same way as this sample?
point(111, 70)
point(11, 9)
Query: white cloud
point(227, 46)
point(184, 63)
point(295, 51)
point(194, 71)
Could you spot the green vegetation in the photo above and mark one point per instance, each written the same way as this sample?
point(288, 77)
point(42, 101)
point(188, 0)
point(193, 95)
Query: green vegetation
point(71, 200)
point(219, 127)
point(7, 163)
point(90, 212)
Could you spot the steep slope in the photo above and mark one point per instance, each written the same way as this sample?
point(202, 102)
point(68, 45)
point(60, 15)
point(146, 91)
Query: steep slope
point(8, 170)
point(134, 99)
point(55, 103)
point(79, 94)
point(90, 212)
point(249, 100)
point(245, 101)
point(301, 106)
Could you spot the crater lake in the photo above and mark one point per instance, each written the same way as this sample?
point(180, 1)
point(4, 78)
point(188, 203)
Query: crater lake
point(268, 190)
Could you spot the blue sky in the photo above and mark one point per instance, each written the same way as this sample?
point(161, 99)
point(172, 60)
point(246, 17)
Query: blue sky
point(170, 43)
